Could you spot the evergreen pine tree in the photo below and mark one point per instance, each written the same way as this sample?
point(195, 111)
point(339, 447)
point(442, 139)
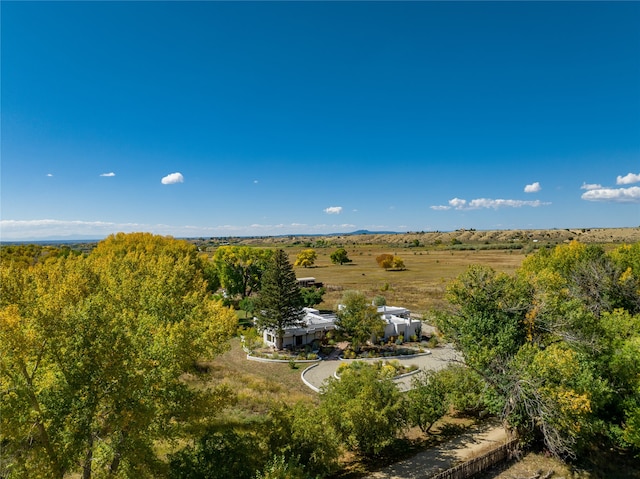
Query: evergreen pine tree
point(279, 301)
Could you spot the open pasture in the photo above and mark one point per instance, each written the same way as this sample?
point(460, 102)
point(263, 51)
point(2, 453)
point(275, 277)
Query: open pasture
point(420, 287)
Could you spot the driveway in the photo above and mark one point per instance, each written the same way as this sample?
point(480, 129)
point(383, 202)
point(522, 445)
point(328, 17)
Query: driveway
point(435, 359)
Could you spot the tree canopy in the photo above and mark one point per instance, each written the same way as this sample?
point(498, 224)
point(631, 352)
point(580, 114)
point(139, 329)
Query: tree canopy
point(358, 319)
point(93, 352)
point(240, 268)
point(556, 344)
point(306, 258)
point(364, 407)
point(389, 261)
point(340, 256)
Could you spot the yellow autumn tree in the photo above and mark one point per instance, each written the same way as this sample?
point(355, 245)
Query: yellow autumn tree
point(306, 258)
point(93, 354)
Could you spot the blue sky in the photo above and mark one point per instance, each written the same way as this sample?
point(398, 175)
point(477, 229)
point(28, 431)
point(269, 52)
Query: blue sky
point(218, 119)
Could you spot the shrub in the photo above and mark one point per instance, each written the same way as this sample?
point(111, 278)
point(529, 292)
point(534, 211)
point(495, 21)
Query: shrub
point(280, 467)
point(217, 456)
point(299, 433)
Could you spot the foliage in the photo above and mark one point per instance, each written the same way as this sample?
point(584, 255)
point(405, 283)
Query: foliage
point(388, 369)
point(312, 296)
point(364, 407)
point(248, 305)
point(240, 268)
point(556, 345)
point(306, 258)
point(210, 274)
point(279, 303)
point(426, 401)
point(389, 261)
point(281, 468)
point(465, 389)
point(358, 320)
point(93, 353)
point(340, 256)
point(30, 254)
point(379, 300)
point(306, 434)
point(490, 309)
point(216, 455)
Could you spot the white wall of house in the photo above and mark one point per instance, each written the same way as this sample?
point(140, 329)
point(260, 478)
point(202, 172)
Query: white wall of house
point(316, 327)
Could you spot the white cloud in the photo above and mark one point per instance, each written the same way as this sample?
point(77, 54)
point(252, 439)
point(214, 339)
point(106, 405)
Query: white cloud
point(628, 179)
point(479, 203)
point(172, 179)
point(333, 210)
point(457, 203)
point(590, 186)
point(108, 174)
point(499, 203)
point(533, 187)
point(613, 195)
point(49, 175)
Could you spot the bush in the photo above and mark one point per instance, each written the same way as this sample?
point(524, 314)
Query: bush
point(465, 390)
point(281, 468)
point(299, 433)
point(216, 456)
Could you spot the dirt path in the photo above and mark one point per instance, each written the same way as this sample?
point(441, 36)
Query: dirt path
point(472, 443)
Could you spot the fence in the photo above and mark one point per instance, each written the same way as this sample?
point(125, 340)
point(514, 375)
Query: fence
point(480, 463)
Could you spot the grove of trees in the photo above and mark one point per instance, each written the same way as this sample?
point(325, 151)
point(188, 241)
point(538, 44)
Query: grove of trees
point(557, 345)
point(389, 261)
point(93, 350)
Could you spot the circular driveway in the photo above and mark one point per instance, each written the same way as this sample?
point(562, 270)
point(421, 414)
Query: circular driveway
point(438, 358)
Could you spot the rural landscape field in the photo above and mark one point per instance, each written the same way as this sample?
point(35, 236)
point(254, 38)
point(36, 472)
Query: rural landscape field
point(155, 379)
point(431, 258)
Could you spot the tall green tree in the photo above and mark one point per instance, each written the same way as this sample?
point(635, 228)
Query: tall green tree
point(93, 354)
point(240, 268)
point(279, 303)
point(358, 319)
point(340, 256)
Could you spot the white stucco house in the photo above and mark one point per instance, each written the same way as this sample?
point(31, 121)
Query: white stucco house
point(316, 326)
point(399, 322)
